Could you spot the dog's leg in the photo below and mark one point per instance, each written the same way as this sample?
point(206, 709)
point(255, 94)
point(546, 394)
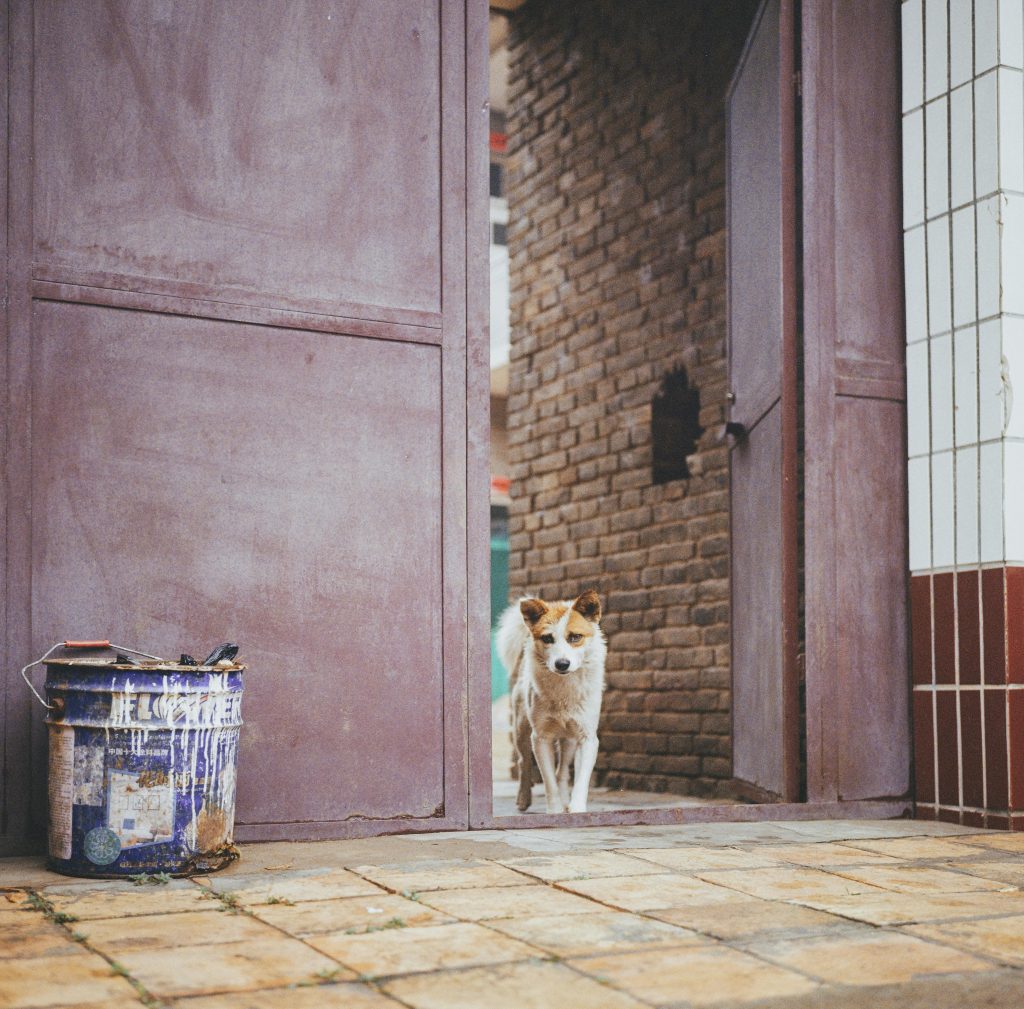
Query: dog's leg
point(586, 757)
point(544, 750)
point(568, 752)
point(524, 757)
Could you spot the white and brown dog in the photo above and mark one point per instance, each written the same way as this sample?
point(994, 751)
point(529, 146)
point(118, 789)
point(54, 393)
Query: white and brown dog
point(555, 655)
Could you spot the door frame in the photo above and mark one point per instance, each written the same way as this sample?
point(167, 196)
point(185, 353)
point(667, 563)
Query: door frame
point(871, 144)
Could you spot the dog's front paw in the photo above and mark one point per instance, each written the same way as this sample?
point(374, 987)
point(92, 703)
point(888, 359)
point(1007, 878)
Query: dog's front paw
point(577, 807)
point(556, 807)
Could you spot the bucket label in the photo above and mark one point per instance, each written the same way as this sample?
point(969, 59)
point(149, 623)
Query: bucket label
point(140, 807)
point(88, 775)
point(61, 788)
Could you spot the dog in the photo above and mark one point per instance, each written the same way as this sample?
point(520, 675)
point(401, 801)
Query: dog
point(555, 657)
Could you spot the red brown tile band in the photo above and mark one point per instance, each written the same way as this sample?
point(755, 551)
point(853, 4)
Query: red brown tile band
point(968, 685)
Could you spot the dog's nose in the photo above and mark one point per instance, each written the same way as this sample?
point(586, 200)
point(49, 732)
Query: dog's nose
point(562, 665)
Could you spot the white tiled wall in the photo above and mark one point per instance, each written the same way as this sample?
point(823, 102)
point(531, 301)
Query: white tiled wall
point(963, 219)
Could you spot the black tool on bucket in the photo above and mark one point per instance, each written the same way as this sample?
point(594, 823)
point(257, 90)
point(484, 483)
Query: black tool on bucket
point(225, 652)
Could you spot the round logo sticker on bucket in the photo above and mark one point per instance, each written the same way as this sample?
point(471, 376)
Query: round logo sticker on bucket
point(102, 846)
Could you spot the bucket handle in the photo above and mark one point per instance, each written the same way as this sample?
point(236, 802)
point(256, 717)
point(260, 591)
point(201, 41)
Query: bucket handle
point(78, 644)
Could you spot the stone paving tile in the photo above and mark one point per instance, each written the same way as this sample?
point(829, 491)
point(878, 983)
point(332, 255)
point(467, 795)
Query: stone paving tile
point(867, 958)
point(312, 917)
point(411, 950)
point(603, 932)
point(114, 936)
point(787, 884)
point(718, 834)
point(116, 900)
point(230, 966)
point(531, 985)
point(915, 879)
point(584, 865)
point(644, 893)
point(310, 884)
point(999, 938)
point(506, 902)
point(693, 858)
point(889, 908)
point(323, 996)
point(1009, 873)
point(668, 836)
point(843, 830)
point(917, 848)
point(747, 919)
point(827, 853)
point(444, 874)
point(698, 975)
point(998, 840)
point(62, 981)
point(30, 933)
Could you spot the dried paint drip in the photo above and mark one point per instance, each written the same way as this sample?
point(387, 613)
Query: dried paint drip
point(142, 767)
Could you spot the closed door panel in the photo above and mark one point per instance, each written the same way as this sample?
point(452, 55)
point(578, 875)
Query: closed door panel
point(236, 382)
point(200, 481)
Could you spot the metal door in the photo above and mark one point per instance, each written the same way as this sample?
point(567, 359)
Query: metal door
point(763, 408)
point(237, 357)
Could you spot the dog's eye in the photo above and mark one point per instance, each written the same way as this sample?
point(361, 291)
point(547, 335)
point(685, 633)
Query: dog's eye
point(575, 639)
point(548, 639)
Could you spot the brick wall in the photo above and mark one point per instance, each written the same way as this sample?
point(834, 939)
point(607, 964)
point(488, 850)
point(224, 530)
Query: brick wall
point(616, 188)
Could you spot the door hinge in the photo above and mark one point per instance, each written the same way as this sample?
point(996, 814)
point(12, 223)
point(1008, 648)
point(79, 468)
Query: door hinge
point(798, 83)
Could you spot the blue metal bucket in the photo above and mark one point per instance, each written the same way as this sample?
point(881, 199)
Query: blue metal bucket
point(142, 766)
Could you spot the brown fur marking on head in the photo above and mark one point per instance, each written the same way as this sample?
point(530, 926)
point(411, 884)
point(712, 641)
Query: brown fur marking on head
point(579, 624)
point(532, 610)
point(553, 612)
point(589, 605)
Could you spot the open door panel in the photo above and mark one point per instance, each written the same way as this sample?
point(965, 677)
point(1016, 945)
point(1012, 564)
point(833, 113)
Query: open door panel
point(763, 291)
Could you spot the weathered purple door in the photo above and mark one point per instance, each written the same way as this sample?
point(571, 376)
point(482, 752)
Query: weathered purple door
point(237, 345)
point(762, 382)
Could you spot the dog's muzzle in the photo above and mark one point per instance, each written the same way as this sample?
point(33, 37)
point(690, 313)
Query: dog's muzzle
point(562, 665)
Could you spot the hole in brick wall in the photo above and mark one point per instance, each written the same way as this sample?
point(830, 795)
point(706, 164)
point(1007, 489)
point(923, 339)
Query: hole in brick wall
point(675, 426)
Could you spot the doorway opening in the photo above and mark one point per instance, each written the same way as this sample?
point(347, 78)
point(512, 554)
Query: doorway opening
point(609, 372)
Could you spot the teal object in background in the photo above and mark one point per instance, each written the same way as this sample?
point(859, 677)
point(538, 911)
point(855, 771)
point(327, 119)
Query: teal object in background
point(499, 600)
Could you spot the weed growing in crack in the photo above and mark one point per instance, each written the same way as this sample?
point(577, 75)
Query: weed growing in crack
point(389, 924)
point(150, 879)
point(40, 903)
point(229, 902)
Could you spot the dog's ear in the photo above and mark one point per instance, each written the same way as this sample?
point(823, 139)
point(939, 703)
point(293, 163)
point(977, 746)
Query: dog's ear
point(588, 605)
point(532, 610)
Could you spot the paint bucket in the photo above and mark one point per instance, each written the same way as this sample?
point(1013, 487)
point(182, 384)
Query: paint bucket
point(142, 765)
